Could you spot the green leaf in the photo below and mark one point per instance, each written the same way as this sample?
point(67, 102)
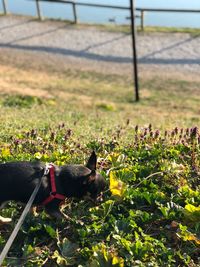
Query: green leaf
point(192, 213)
point(68, 249)
point(50, 231)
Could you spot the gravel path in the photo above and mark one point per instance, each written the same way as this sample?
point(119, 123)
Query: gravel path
point(90, 48)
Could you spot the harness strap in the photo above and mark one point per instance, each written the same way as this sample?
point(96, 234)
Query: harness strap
point(53, 194)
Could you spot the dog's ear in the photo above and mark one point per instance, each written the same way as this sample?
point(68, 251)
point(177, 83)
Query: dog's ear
point(92, 162)
point(90, 178)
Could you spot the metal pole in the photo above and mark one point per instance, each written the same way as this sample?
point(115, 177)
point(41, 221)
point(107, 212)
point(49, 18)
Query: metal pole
point(135, 69)
point(5, 7)
point(74, 11)
point(142, 20)
point(38, 10)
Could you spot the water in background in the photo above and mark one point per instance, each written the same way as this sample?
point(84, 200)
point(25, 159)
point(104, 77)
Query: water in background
point(103, 15)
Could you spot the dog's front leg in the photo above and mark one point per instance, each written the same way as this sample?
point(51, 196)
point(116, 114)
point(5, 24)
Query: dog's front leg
point(53, 209)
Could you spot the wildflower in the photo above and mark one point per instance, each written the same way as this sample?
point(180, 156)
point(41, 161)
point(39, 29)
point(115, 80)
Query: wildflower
point(52, 137)
point(17, 142)
point(69, 132)
point(173, 133)
point(33, 133)
point(176, 130)
point(194, 132)
point(157, 133)
point(145, 131)
point(61, 125)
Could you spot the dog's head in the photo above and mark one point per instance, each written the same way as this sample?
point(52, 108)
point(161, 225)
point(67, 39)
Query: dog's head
point(82, 181)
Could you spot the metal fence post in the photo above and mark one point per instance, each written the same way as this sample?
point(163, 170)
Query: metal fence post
point(75, 13)
point(135, 67)
point(38, 10)
point(142, 20)
point(5, 9)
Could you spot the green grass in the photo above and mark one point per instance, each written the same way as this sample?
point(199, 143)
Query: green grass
point(93, 100)
point(152, 213)
point(151, 29)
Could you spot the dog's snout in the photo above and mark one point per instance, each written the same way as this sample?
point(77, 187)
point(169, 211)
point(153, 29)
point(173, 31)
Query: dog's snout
point(94, 199)
point(100, 197)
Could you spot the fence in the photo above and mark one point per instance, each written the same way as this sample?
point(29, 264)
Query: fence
point(131, 8)
point(143, 10)
point(74, 5)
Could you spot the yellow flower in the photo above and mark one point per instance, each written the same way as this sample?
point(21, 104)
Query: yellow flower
point(117, 187)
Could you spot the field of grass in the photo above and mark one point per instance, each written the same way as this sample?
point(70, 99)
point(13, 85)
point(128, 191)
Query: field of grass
point(150, 215)
point(93, 101)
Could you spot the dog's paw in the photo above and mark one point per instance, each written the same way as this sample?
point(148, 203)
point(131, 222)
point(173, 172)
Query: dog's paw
point(5, 220)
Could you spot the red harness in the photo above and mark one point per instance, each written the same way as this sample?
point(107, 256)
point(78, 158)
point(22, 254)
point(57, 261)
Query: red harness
point(53, 194)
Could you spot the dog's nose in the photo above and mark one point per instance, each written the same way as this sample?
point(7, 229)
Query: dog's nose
point(100, 197)
point(94, 199)
point(88, 197)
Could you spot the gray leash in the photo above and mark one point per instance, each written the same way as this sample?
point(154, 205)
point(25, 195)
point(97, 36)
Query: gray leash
point(21, 220)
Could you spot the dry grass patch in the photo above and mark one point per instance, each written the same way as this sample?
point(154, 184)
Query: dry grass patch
point(90, 101)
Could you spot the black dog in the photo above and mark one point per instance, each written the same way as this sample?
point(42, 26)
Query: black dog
point(18, 180)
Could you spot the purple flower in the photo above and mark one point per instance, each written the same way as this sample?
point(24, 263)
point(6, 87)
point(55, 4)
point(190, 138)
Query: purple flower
point(172, 133)
point(157, 133)
point(17, 142)
point(145, 132)
point(52, 137)
point(194, 132)
point(176, 130)
point(69, 132)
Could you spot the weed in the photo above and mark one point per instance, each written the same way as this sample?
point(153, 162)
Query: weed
point(150, 214)
point(21, 101)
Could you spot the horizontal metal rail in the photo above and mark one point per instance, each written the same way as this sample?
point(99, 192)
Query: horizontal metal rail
point(168, 10)
point(95, 5)
point(85, 4)
point(175, 10)
point(123, 7)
